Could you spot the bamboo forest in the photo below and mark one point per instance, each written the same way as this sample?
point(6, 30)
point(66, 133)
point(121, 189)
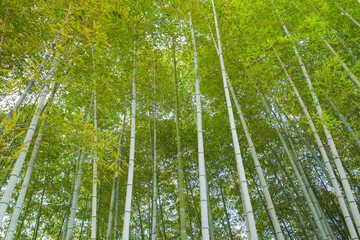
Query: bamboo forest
point(169, 119)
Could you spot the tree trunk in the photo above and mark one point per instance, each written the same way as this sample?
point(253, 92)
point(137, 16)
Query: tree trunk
point(82, 223)
point(140, 221)
point(320, 175)
point(239, 162)
point(19, 203)
point(32, 81)
point(38, 216)
point(211, 223)
point(291, 197)
point(70, 228)
point(226, 212)
point(75, 200)
point(118, 179)
point(94, 176)
point(154, 196)
point(343, 65)
point(238, 188)
point(297, 174)
point(126, 225)
point(18, 232)
point(346, 125)
point(190, 189)
point(4, 203)
point(67, 213)
point(328, 231)
point(111, 208)
point(202, 172)
point(162, 218)
point(354, 211)
point(269, 204)
point(329, 168)
point(349, 16)
point(98, 211)
point(179, 156)
point(20, 200)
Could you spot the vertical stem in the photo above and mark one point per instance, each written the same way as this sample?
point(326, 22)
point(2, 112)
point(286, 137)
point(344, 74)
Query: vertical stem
point(344, 123)
point(343, 65)
point(293, 164)
point(118, 179)
point(313, 197)
point(350, 17)
point(4, 203)
point(82, 222)
point(162, 218)
point(18, 234)
point(211, 223)
point(94, 177)
point(31, 83)
point(126, 225)
point(290, 186)
point(38, 216)
point(179, 155)
point(154, 197)
point(111, 209)
point(190, 189)
point(238, 188)
point(141, 224)
point(78, 177)
point(99, 210)
point(19, 203)
point(354, 211)
point(269, 204)
point(226, 212)
point(77, 187)
point(20, 200)
point(67, 213)
point(239, 161)
point(202, 173)
point(325, 157)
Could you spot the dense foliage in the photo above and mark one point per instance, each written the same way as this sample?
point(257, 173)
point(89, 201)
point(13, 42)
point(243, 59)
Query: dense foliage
point(83, 51)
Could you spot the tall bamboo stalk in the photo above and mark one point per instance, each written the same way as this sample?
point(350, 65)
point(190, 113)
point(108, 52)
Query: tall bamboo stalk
point(4, 203)
point(32, 81)
point(19, 203)
point(349, 16)
point(343, 65)
point(239, 162)
point(346, 125)
point(127, 214)
point(211, 222)
point(223, 200)
point(78, 178)
point(115, 190)
point(155, 168)
point(292, 159)
point(354, 211)
point(318, 208)
point(324, 155)
point(111, 208)
point(94, 176)
point(20, 200)
point(202, 173)
point(265, 188)
point(71, 196)
point(179, 155)
point(38, 215)
point(118, 180)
